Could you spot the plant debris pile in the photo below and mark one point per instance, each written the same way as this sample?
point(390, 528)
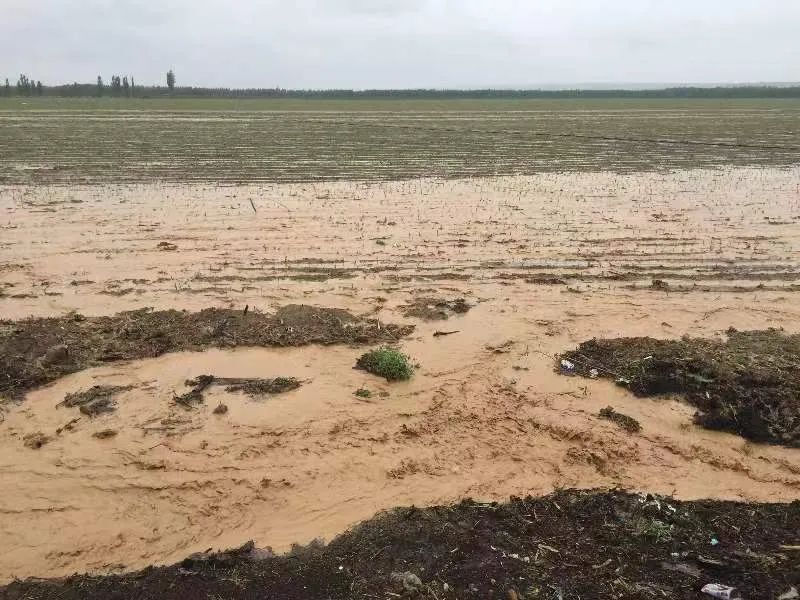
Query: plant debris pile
point(253, 387)
point(96, 400)
point(748, 384)
point(34, 352)
point(627, 423)
point(433, 309)
point(569, 545)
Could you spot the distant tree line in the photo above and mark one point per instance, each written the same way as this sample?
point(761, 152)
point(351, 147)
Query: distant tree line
point(676, 92)
point(25, 87)
point(126, 87)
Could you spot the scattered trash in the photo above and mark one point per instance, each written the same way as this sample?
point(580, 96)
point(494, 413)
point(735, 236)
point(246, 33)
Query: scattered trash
point(443, 333)
point(567, 367)
point(714, 541)
point(594, 373)
point(723, 592)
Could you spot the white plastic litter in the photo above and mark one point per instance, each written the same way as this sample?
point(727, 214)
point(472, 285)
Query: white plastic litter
point(723, 592)
point(792, 594)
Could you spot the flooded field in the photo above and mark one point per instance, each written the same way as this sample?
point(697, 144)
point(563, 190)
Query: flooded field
point(115, 140)
point(542, 262)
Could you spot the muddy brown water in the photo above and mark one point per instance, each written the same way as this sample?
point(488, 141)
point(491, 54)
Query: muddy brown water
point(485, 415)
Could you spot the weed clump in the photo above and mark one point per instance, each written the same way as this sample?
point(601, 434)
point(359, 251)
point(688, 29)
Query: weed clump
point(386, 362)
point(363, 393)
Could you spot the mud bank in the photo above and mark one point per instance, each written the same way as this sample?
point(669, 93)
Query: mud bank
point(569, 545)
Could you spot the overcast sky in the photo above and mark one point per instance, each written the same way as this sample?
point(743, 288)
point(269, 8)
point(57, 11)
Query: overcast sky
point(402, 43)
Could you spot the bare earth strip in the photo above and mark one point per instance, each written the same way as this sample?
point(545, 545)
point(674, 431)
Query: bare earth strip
point(546, 260)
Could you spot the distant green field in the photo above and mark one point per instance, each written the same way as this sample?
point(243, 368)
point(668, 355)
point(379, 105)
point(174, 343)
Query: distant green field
point(62, 140)
point(386, 104)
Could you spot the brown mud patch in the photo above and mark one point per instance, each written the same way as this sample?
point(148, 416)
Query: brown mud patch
point(567, 545)
point(748, 384)
point(37, 351)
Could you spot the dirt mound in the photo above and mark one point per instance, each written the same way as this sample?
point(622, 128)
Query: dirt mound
point(748, 384)
point(568, 545)
point(37, 351)
point(434, 309)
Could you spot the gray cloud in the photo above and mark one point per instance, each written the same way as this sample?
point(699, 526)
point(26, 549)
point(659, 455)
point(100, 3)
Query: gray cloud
point(403, 43)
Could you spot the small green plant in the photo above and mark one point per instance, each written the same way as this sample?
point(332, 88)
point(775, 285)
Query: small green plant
point(363, 393)
point(380, 242)
point(387, 362)
point(656, 530)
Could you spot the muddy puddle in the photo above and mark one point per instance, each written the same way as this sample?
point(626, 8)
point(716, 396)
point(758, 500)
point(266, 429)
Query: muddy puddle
point(485, 415)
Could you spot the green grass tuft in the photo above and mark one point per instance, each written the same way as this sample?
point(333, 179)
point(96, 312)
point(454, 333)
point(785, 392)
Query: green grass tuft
point(363, 393)
point(387, 362)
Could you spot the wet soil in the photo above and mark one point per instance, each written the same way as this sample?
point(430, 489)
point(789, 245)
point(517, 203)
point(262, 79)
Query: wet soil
point(568, 545)
point(545, 259)
point(37, 351)
point(748, 384)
